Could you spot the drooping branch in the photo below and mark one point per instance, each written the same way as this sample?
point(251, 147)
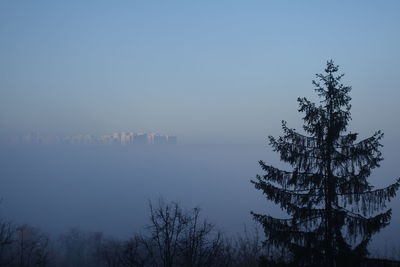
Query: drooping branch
point(346, 140)
point(364, 152)
point(289, 198)
point(371, 200)
point(287, 230)
point(315, 118)
point(297, 179)
point(358, 225)
point(299, 155)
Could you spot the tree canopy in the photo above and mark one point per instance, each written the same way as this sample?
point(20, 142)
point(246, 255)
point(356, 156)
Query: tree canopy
point(333, 209)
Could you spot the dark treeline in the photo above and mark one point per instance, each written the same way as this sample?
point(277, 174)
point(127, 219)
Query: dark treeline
point(174, 236)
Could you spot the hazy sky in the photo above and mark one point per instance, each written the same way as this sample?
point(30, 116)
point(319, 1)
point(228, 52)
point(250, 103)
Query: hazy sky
point(207, 71)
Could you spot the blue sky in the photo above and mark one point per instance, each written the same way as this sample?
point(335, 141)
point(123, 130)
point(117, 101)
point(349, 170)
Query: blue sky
point(207, 71)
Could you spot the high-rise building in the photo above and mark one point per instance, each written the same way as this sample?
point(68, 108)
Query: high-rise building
point(160, 139)
point(140, 139)
point(172, 140)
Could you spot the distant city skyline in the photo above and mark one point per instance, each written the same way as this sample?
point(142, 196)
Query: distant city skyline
point(116, 138)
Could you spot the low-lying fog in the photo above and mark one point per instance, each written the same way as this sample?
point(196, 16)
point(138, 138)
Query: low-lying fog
point(108, 188)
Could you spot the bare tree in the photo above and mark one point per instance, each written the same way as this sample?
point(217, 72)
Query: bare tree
point(243, 251)
point(80, 248)
point(167, 225)
point(7, 238)
point(31, 247)
point(201, 243)
point(129, 253)
point(133, 252)
point(228, 254)
point(249, 247)
point(110, 252)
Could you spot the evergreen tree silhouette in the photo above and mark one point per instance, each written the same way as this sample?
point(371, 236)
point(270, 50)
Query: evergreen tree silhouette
point(333, 209)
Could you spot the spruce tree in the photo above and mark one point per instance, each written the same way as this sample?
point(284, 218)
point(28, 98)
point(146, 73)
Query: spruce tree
point(333, 210)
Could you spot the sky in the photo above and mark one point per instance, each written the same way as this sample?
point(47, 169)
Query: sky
point(206, 71)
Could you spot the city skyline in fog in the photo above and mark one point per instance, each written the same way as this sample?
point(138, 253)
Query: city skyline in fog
point(117, 138)
point(209, 72)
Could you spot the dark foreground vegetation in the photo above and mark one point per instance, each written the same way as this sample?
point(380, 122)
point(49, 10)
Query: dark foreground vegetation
point(173, 237)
